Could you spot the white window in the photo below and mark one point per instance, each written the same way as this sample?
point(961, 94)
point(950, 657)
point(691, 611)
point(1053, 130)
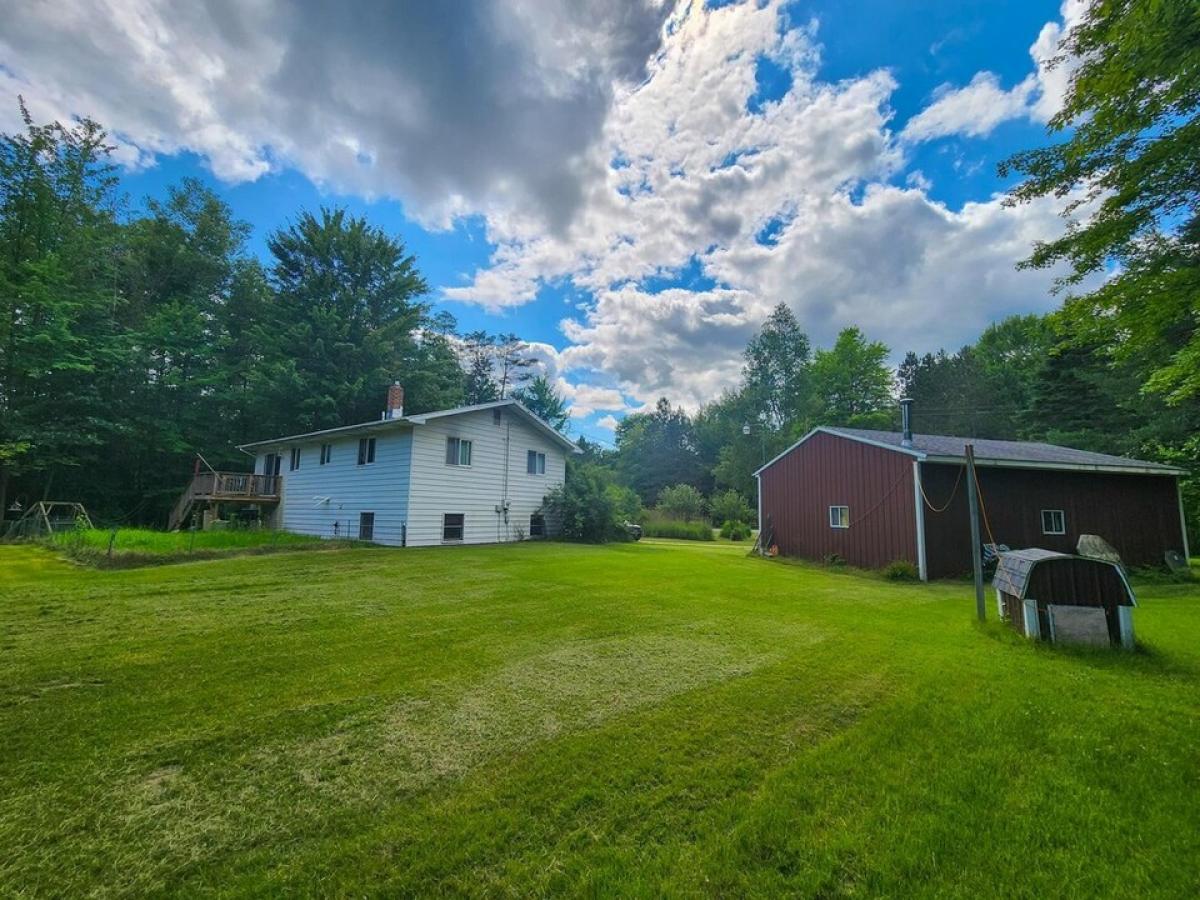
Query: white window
point(839, 517)
point(452, 526)
point(366, 451)
point(458, 452)
point(1054, 521)
point(326, 453)
point(295, 461)
point(537, 525)
point(535, 463)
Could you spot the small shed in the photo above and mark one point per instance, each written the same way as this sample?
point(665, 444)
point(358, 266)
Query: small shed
point(1056, 596)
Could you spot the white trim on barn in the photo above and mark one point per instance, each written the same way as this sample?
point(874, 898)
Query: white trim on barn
point(824, 429)
point(919, 500)
point(1053, 466)
point(979, 461)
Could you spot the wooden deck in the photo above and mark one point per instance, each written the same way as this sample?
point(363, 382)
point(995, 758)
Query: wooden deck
point(225, 487)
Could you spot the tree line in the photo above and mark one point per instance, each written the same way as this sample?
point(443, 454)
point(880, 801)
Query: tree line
point(1116, 369)
point(131, 340)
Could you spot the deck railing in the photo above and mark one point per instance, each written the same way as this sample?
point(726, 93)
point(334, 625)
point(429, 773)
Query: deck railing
point(224, 486)
point(234, 484)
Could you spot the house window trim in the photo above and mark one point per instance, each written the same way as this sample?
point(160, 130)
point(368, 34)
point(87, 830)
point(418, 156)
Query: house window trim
point(843, 521)
point(326, 456)
point(470, 452)
point(462, 528)
point(1062, 517)
point(535, 462)
point(366, 451)
point(294, 459)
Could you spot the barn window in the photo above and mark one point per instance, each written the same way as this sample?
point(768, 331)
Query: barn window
point(366, 451)
point(458, 452)
point(537, 525)
point(452, 526)
point(1054, 521)
point(294, 464)
point(839, 517)
point(326, 453)
point(366, 526)
point(535, 463)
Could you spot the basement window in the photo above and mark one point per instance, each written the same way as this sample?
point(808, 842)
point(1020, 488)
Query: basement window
point(1054, 521)
point(458, 452)
point(535, 463)
point(366, 451)
point(294, 463)
point(452, 526)
point(839, 517)
point(326, 453)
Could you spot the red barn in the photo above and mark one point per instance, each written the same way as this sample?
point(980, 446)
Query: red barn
point(871, 497)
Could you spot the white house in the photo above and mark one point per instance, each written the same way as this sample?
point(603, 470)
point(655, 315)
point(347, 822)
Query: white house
point(471, 475)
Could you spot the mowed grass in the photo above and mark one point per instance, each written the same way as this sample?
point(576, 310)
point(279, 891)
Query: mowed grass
point(662, 718)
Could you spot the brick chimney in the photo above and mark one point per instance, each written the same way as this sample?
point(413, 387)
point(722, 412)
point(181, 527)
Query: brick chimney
point(395, 402)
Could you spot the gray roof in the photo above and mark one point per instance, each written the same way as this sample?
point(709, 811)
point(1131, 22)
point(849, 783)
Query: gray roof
point(1002, 452)
point(420, 419)
point(1015, 566)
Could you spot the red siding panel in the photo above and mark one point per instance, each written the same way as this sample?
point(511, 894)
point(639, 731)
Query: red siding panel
point(827, 470)
point(1137, 514)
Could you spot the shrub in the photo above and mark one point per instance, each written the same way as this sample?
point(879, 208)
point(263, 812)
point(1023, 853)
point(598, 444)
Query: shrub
point(730, 506)
point(735, 530)
point(658, 526)
point(588, 507)
point(901, 570)
point(834, 561)
point(681, 501)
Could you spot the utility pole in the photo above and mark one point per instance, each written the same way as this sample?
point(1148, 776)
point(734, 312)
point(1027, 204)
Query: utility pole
point(976, 555)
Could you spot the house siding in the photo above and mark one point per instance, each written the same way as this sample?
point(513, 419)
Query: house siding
point(797, 490)
point(1137, 514)
point(477, 490)
point(381, 487)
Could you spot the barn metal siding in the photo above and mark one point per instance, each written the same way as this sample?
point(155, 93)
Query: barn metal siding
point(1137, 514)
point(827, 470)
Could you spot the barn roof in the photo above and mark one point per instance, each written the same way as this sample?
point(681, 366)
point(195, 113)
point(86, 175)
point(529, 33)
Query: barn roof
point(1014, 454)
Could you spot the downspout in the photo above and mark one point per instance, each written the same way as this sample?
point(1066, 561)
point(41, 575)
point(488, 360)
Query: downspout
point(919, 507)
point(504, 498)
point(1182, 522)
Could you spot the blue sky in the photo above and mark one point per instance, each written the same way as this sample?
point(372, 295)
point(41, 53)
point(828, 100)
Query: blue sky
point(632, 187)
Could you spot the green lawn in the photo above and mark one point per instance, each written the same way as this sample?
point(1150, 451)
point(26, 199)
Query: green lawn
point(651, 719)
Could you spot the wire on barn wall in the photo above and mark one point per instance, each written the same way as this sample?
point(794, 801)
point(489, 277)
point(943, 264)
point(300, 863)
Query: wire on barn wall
point(983, 506)
point(949, 500)
point(889, 493)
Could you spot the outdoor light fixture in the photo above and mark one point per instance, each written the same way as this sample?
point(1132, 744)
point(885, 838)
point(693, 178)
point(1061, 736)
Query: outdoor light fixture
point(746, 430)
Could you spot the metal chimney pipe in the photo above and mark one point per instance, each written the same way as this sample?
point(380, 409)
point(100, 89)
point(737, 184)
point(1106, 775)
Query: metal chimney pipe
point(906, 421)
